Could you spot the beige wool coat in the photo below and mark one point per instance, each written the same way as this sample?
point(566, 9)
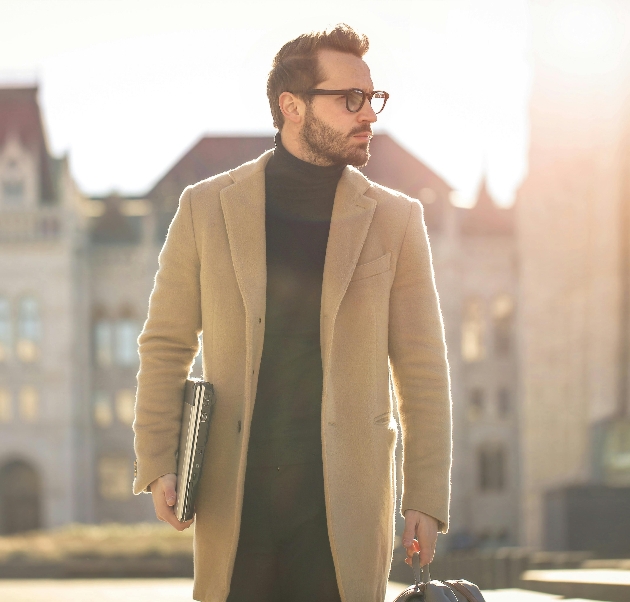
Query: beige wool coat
point(379, 310)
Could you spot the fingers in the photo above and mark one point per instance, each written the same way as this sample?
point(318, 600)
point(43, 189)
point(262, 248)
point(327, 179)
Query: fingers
point(427, 553)
point(169, 493)
point(409, 540)
point(164, 495)
point(420, 535)
point(427, 538)
point(411, 522)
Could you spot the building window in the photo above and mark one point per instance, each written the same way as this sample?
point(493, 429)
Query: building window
point(504, 402)
point(502, 315)
point(13, 191)
point(475, 407)
point(103, 342)
point(29, 329)
point(114, 474)
point(6, 407)
point(103, 414)
point(5, 329)
point(127, 332)
point(473, 331)
point(491, 460)
point(29, 404)
point(125, 406)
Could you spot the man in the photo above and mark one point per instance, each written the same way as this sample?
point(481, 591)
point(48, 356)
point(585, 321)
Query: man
point(310, 285)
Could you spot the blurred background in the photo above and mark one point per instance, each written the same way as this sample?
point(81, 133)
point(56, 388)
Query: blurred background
point(508, 119)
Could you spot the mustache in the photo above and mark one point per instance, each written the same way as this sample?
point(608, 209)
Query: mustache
point(361, 130)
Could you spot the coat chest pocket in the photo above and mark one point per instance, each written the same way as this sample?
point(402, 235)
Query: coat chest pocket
point(372, 268)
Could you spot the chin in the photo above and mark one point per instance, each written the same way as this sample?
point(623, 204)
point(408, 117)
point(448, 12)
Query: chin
point(358, 158)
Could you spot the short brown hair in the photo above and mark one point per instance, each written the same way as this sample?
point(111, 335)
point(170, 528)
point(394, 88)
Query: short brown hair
point(295, 68)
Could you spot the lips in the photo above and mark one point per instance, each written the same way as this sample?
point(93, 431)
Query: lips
point(362, 134)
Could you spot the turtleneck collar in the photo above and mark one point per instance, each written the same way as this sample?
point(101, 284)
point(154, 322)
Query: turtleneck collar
point(299, 190)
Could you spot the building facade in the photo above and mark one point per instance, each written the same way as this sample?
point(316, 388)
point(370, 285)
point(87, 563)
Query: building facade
point(573, 215)
point(75, 278)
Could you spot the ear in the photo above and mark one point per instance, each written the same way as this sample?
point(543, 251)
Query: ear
point(292, 107)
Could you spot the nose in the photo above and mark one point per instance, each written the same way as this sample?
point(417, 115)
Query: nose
point(367, 113)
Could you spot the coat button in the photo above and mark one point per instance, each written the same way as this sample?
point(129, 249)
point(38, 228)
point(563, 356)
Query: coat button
point(239, 426)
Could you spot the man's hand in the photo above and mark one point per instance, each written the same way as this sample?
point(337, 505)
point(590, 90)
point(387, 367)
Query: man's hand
point(420, 535)
point(163, 490)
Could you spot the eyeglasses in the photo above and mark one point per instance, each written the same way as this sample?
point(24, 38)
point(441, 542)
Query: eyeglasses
point(355, 98)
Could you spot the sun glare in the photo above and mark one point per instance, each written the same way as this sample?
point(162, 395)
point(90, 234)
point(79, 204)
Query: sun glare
point(584, 36)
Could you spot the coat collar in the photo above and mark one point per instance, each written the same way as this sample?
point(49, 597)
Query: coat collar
point(243, 205)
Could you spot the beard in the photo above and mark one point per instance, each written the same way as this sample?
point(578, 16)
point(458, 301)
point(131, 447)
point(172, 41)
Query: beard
point(324, 145)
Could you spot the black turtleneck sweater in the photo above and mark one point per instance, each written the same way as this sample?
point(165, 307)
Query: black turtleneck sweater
point(286, 425)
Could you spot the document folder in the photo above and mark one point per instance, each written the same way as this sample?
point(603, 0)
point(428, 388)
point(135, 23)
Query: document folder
point(196, 414)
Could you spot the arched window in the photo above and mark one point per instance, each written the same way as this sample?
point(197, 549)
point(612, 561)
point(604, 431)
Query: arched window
point(20, 492)
point(473, 331)
point(29, 329)
point(492, 465)
point(502, 316)
point(5, 329)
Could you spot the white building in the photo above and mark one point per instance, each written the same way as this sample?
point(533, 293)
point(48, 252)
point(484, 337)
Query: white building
point(75, 277)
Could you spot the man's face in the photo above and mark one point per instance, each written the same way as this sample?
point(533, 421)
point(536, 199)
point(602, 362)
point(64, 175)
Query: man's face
point(331, 134)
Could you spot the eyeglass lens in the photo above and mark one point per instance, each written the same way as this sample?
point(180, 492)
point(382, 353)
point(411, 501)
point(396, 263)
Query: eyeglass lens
point(355, 101)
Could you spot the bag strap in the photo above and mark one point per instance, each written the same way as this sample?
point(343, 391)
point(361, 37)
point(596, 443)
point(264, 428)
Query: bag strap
point(463, 590)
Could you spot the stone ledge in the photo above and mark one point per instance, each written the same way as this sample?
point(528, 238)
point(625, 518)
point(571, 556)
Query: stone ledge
point(103, 568)
point(612, 585)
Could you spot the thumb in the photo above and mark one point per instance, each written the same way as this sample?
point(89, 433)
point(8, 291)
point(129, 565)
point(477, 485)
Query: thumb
point(169, 495)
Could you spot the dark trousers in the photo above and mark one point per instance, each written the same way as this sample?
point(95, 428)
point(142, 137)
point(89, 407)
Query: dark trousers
point(283, 550)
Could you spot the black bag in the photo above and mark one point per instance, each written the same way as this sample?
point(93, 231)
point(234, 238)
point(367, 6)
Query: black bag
point(458, 590)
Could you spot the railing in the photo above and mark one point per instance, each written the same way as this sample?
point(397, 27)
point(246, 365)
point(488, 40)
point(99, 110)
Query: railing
point(33, 225)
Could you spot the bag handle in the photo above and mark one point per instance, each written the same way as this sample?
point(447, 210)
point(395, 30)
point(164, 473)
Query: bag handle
point(418, 571)
point(463, 590)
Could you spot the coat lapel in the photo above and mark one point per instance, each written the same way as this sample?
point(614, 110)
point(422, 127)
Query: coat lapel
point(351, 218)
point(243, 205)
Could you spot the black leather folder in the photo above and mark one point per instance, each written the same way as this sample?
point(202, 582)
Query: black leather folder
point(198, 404)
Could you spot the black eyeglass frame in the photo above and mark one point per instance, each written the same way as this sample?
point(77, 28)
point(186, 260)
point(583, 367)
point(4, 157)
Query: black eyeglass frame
point(346, 93)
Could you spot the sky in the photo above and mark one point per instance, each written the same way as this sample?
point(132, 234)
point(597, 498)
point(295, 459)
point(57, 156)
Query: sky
point(127, 86)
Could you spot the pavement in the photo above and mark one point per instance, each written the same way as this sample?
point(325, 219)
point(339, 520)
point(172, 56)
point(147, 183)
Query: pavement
point(179, 590)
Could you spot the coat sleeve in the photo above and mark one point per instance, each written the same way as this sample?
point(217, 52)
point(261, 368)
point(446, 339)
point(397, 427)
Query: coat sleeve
point(167, 347)
point(420, 374)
